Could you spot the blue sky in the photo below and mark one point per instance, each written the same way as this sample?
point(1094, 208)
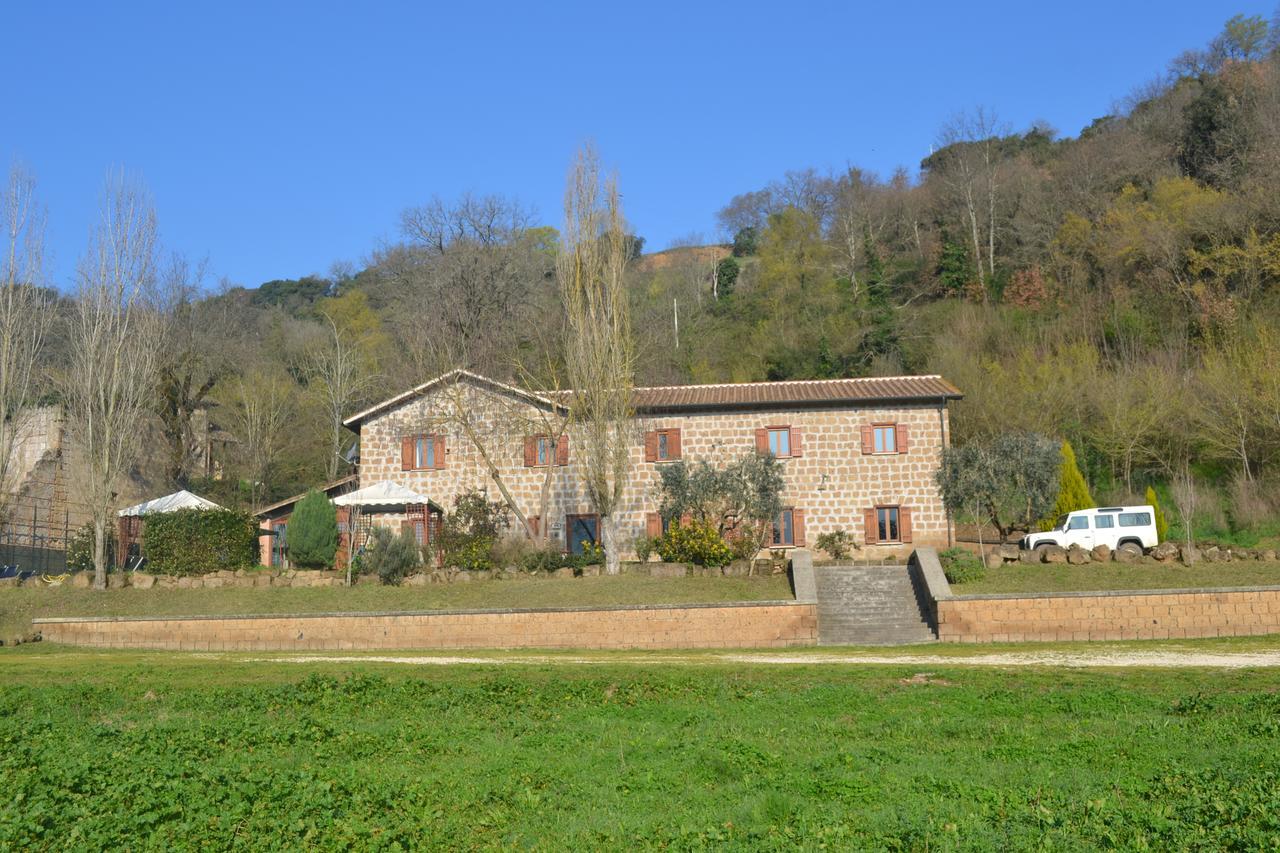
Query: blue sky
point(278, 138)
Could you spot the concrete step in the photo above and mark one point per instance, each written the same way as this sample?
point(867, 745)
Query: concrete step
point(870, 605)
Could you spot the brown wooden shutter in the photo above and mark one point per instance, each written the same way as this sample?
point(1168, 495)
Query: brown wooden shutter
point(439, 440)
point(762, 440)
point(562, 450)
point(406, 453)
point(797, 527)
point(652, 525)
point(797, 443)
point(904, 523)
point(651, 446)
point(900, 437)
point(530, 451)
point(673, 444)
point(868, 439)
point(869, 520)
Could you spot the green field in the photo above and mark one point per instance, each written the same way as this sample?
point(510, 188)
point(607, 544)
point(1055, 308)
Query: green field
point(1061, 577)
point(19, 606)
point(152, 751)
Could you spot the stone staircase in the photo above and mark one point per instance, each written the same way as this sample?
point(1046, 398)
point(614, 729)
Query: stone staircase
point(871, 606)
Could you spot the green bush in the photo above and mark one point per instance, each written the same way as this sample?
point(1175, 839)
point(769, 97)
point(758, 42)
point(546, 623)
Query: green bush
point(550, 559)
point(80, 549)
point(694, 542)
point(961, 566)
point(838, 543)
point(390, 556)
point(472, 531)
point(643, 547)
point(313, 532)
point(199, 541)
point(1162, 524)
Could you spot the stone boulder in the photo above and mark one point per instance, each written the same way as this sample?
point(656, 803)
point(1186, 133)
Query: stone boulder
point(1212, 554)
point(117, 580)
point(8, 582)
point(1101, 553)
point(1053, 554)
point(1009, 552)
point(141, 580)
point(418, 579)
point(1127, 554)
point(994, 559)
point(82, 580)
point(741, 568)
point(1077, 556)
point(592, 571)
point(1267, 554)
point(1188, 554)
point(1029, 558)
point(1164, 552)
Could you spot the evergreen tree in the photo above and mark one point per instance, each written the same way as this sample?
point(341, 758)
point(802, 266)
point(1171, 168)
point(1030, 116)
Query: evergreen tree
point(313, 532)
point(954, 270)
point(1162, 524)
point(1073, 492)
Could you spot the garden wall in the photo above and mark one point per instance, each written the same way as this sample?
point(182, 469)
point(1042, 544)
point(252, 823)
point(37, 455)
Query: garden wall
point(747, 625)
point(1160, 614)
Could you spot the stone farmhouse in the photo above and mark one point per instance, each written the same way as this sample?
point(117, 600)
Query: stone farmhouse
point(859, 455)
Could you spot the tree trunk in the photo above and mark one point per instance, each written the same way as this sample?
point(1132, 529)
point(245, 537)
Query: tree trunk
point(99, 554)
point(610, 539)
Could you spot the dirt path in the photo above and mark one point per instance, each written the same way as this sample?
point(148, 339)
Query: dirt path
point(1102, 658)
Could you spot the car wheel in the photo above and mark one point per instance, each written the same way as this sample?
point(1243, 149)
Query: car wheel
point(1040, 550)
point(1130, 548)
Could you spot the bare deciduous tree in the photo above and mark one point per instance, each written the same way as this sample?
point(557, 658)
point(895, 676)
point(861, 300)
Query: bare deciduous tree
point(25, 315)
point(260, 407)
point(114, 341)
point(335, 372)
point(600, 357)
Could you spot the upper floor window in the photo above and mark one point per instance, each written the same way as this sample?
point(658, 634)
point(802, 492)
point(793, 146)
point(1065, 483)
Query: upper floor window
point(885, 438)
point(662, 445)
point(421, 452)
point(782, 441)
point(543, 450)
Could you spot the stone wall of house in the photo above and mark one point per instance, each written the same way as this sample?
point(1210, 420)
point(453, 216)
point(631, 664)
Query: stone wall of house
point(762, 625)
point(832, 480)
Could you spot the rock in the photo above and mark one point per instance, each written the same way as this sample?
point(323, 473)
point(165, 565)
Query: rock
point(462, 577)
point(591, 571)
point(1009, 552)
point(214, 581)
point(1128, 554)
point(1029, 558)
point(1077, 556)
point(1267, 554)
point(241, 573)
point(282, 581)
point(740, 568)
point(668, 570)
point(1053, 554)
point(563, 573)
point(117, 580)
point(438, 576)
point(7, 582)
point(262, 579)
point(481, 575)
point(994, 560)
point(166, 582)
point(1101, 553)
point(418, 579)
point(82, 580)
point(1164, 552)
point(1212, 554)
point(1188, 554)
point(141, 580)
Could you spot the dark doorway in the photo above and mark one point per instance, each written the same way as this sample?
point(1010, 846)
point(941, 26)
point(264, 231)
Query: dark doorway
point(581, 529)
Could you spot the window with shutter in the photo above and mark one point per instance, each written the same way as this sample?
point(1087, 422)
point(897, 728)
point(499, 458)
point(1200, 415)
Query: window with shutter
point(784, 528)
point(888, 524)
point(665, 445)
point(884, 438)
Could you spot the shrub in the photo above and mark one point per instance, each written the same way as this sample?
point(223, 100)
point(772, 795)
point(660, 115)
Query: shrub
point(472, 530)
point(837, 543)
point(694, 542)
point(389, 555)
point(1073, 492)
point(313, 532)
point(550, 559)
point(199, 541)
point(1162, 523)
point(961, 566)
point(643, 547)
point(80, 549)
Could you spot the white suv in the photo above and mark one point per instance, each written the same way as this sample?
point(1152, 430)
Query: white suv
point(1113, 526)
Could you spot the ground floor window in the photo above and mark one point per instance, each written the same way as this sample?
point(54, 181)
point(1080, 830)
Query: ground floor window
point(887, 524)
point(581, 530)
point(279, 544)
point(784, 528)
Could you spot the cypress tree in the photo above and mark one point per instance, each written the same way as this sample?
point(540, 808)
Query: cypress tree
point(1073, 492)
point(1162, 524)
point(313, 532)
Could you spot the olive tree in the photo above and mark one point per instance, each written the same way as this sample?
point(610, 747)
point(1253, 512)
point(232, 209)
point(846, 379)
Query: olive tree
point(744, 495)
point(1010, 481)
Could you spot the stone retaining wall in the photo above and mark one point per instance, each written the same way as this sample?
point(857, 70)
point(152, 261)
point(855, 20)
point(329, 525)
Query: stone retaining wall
point(746, 625)
point(1144, 615)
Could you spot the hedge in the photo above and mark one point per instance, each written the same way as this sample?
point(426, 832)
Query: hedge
point(199, 541)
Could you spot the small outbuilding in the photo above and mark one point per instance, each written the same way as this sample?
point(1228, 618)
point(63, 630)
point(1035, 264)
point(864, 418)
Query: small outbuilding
point(132, 524)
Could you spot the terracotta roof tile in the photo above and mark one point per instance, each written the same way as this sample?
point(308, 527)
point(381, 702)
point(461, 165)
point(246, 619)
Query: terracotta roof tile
point(772, 394)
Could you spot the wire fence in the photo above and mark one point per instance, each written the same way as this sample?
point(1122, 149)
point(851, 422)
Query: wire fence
point(37, 529)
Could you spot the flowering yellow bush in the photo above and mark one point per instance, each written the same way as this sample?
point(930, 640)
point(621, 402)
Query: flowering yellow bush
point(694, 542)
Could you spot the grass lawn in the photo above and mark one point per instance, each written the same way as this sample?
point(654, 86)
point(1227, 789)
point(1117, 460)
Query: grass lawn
point(154, 751)
point(1060, 577)
point(19, 606)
